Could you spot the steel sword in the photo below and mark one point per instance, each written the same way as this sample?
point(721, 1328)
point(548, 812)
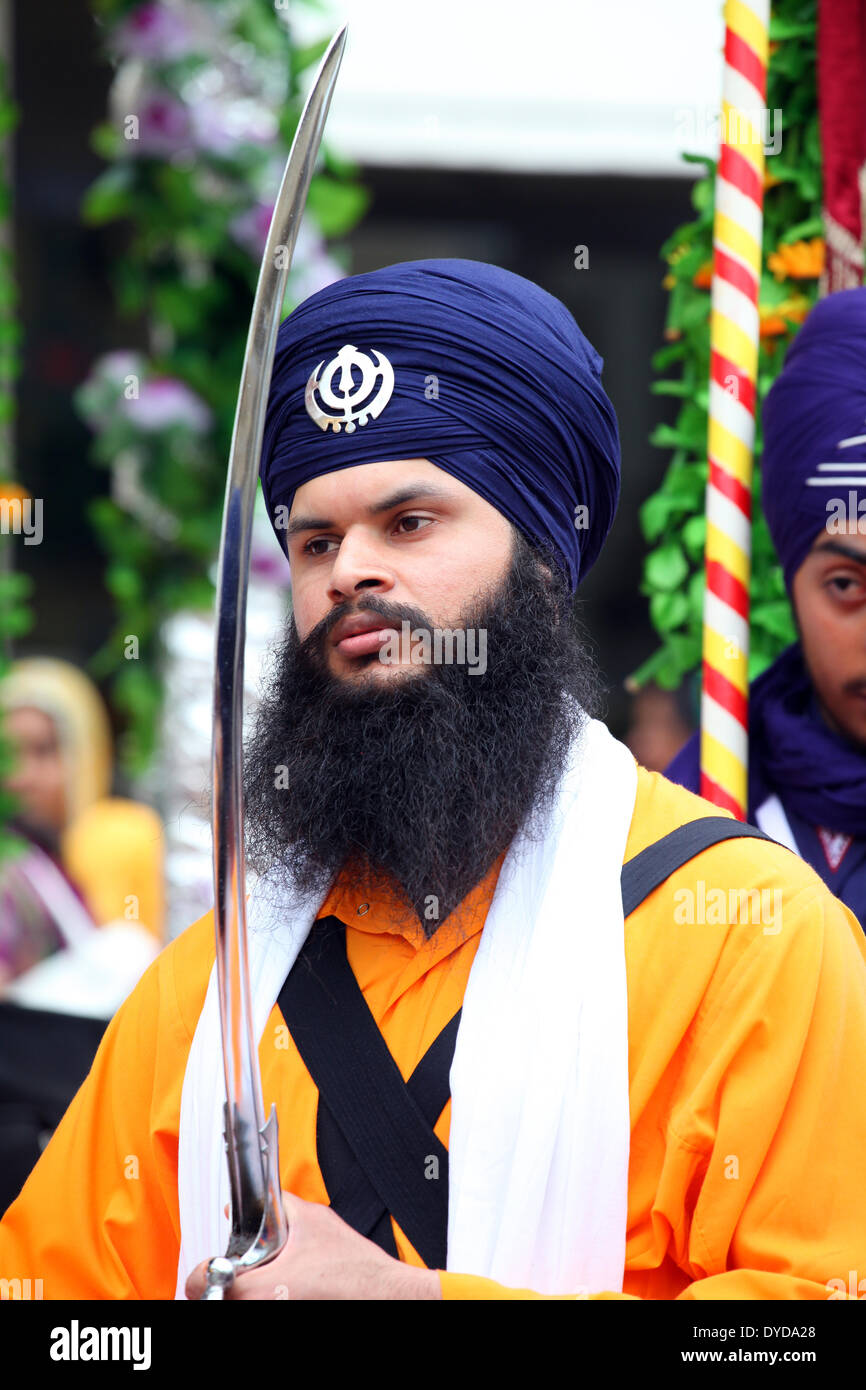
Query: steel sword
point(258, 1222)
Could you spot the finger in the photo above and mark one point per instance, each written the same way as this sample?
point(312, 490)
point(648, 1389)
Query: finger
point(195, 1284)
point(294, 1208)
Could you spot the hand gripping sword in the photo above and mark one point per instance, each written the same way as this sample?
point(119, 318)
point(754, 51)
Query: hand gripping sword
point(258, 1223)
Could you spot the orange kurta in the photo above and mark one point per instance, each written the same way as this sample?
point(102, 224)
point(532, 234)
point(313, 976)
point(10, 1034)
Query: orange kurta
point(748, 1119)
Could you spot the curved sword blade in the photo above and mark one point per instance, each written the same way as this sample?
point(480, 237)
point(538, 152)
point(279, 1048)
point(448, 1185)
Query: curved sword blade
point(258, 1225)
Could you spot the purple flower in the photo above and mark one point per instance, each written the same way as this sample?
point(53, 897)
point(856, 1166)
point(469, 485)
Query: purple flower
point(221, 125)
point(155, 34)
point(164, 127)
point(165, 402)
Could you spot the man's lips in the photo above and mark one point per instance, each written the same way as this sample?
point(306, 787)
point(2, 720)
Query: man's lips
point(361, 635)
point(364, 642)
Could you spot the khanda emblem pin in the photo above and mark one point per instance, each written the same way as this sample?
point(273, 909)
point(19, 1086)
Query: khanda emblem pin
point(354, 402)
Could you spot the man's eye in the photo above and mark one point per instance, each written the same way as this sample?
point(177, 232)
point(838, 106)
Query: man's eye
point(844, 584)
point(425, 520)
point(317, 540)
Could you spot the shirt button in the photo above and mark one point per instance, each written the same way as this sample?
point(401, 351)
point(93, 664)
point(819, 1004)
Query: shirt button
point(363, 907)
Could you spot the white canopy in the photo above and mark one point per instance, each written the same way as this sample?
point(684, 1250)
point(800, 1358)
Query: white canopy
point(552, 86)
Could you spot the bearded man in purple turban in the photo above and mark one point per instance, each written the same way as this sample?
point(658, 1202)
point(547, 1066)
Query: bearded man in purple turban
point(807, 712)
point(504, 1065)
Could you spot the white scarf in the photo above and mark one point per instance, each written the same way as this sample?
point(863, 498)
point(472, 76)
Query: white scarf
point(539, 1139)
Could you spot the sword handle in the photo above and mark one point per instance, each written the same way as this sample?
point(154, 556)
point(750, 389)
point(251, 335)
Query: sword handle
point(220, 1277)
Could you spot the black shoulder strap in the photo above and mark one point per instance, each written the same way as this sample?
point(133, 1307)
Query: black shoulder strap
point(642, 874)
point(375, 1140)
point(351, 1194)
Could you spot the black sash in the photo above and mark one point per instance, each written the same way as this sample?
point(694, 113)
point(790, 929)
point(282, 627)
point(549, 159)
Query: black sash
point(376, 1148)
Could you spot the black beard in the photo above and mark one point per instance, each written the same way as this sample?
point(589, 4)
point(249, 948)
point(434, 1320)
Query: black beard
point(421, 781)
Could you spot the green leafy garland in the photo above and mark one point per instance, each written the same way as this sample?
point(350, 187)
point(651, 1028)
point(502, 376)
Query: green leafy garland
point(15, 616)
point(672, 519)
point(204, 106)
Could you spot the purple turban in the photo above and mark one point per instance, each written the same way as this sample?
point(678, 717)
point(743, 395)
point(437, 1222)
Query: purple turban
point(814, 416)
point(462, 363)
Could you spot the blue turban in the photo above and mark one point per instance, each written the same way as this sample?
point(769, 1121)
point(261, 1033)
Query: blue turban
point(815, 415)
point(462, 363)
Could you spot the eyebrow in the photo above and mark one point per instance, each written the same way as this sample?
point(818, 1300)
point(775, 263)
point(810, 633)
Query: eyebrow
point(410, 492)
point(847, 552)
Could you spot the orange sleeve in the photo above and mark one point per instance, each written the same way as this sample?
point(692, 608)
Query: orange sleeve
point(760, 1192)
point(772, 1132)
point(98, 1217)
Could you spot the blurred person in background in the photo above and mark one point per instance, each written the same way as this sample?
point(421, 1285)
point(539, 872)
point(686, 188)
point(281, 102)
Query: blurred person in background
point(81, 903)
point(92, 858)
point(659, 724)
point(807, 711)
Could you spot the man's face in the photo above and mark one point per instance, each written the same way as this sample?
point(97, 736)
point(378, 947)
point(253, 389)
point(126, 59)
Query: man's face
point(405, 532)
point(420, 782)
point(829, 593)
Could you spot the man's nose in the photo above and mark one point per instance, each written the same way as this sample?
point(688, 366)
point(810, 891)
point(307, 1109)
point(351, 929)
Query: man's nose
point(361, 563)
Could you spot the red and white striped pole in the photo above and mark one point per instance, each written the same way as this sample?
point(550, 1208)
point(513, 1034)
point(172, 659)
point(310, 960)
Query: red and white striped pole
point(734, 341)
